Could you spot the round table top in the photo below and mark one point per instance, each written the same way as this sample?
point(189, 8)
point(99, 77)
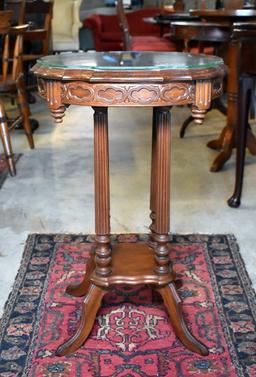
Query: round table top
point(127, 63)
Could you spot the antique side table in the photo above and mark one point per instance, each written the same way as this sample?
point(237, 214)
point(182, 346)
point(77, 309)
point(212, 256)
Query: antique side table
point(159, 80)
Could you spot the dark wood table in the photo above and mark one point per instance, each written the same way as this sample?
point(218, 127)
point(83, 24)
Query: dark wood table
point(102, 80)
point(217, 26)
point(164, 19)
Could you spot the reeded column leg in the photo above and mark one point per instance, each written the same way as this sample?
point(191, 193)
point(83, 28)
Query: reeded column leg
point(6, 140)
point(153, 171)
point(246, 85)
point(160, 227)
point(102, 192)
point(102, 260)
point(160, 188)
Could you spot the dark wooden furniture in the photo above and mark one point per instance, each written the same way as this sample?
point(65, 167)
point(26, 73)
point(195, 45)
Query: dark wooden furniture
point(12, 85)
point(221, 31)
point(37, 39)
point(246, 34)
point(141, 43)
point(102, 80)
point(18, 9)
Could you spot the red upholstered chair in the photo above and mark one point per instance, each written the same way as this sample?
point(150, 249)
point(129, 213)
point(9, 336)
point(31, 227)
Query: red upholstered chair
point(106, 32)
point(141, 43)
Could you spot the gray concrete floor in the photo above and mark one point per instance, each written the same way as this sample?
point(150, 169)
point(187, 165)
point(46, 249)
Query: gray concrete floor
point(53, 189)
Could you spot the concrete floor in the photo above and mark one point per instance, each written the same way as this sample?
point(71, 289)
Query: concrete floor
point(53, 189)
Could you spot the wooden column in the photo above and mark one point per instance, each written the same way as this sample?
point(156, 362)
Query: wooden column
point(160, 188)
point(102, 192)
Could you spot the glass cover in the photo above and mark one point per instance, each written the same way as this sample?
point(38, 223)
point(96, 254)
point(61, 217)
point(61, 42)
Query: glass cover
point(129, 60)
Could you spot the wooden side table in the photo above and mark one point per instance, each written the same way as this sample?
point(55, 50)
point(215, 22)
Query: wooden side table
point(159, 80)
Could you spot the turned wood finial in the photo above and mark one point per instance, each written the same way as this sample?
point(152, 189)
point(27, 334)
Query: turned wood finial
point(198, 115)
point(58, 114)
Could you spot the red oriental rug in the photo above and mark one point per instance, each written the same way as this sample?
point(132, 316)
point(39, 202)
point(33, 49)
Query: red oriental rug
point(132, 336)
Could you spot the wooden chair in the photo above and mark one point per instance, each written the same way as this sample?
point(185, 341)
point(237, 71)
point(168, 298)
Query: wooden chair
point(18, 9)
point(37, 39)
point(141, 43)
point(245, 33)
point(12, 85)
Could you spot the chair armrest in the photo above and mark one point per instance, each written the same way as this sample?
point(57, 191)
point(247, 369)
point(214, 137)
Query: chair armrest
point(93, 22)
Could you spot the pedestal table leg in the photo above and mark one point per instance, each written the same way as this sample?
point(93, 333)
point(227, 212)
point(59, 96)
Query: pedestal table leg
point(160, 186)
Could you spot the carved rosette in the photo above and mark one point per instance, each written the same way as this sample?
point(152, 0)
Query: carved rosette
point(202, 103)
point(127, 94)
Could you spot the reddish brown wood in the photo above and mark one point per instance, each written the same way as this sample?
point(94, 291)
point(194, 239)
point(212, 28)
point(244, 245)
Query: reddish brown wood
point(129, 263)
point(173, 305)
point(153, 171)
point(102, 200)
point(81, 289)
point(161, 189)
point(89, 311)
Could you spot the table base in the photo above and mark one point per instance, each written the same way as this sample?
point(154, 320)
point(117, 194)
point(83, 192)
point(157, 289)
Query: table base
point(132, 264)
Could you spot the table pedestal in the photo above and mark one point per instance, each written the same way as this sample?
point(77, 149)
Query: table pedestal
point(131, 264)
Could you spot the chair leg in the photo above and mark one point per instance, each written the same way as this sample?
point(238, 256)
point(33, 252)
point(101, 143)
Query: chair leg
point(5, 136)
point(245, 87)
point(24, 108)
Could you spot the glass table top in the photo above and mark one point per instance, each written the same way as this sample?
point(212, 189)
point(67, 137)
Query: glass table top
point(126, 60)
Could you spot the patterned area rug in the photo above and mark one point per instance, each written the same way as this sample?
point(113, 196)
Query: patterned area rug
point(132, 336)
point(4, 168)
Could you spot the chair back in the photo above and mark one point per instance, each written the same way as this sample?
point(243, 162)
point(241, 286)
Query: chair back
point(18, 9)
point(11, 47)
point(123, 25)
point(38, 14)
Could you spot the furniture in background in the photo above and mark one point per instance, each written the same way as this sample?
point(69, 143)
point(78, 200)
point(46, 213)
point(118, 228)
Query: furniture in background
point(12, 85)
point(37, 39)
point(18, 9)
point(217, 25)
point(141, 42)
point(200, 39)
point(244, 34)
point(65, 25)
point(106, 29)
point(158, 80)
